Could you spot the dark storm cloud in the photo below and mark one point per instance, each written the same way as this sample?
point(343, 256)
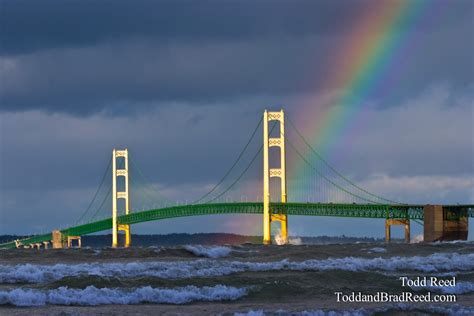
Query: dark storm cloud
point(30, 27)
point(119, 56)
point(115, 73)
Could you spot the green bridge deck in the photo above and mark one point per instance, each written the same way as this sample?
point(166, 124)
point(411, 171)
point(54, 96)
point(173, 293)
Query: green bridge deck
point(414, 212)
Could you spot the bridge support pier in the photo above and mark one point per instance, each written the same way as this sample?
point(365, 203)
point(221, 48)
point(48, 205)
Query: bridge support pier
point(116, 195)
point(268, 173)
point(60, 241)
point(70, 240)
point(57, 241)
point(442, 223)
point(126, 229)
point(390, 222)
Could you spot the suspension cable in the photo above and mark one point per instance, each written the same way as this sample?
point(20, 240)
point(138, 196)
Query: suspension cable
point(101, 204)
point(96, 193)
point(121, 166)
point(233, 165)
point(334, 169)
point(243, 172)
point(323, 176)
point(154, 189)
point(238, 178)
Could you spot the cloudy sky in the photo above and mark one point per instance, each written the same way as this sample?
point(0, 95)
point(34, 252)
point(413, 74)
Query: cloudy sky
point(183, 84)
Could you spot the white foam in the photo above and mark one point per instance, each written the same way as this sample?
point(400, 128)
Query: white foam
point(209, 252)
point(102, 296)
point(451, 242)
point(317, 312)
point(29, 273)
point(417, 239)
point(452, 309)
point(377, 250)
point(279, 240)
point(460, 288)
point(295, 241)
point(445, 310)
point(251, 313)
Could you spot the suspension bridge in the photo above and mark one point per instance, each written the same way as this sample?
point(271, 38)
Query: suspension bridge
point(328, 193)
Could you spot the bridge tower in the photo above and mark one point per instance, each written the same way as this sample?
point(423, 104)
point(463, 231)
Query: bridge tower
point(268, 173)
point(116, 195)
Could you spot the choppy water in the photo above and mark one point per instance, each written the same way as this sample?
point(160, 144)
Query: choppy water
point(241, 280)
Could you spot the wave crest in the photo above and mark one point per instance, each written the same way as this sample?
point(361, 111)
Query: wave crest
point(104, 296)
point(209, 252)
point(29, 273)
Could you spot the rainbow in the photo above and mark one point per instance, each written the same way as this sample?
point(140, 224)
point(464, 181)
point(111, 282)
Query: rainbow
point(369, 56)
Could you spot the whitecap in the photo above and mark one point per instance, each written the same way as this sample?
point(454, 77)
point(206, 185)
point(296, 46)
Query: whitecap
point(32, 273)
point(445, 310)
point(377, 250)
point(460, 288)
point(209, 252)
point(104, 296)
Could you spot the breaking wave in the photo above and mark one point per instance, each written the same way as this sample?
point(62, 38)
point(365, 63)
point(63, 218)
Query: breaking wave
point(444, 310)
point(279, 240)
point(459, 288)
point(209, 252)
point(103, 296)
point(30, 273)
point(377, 250)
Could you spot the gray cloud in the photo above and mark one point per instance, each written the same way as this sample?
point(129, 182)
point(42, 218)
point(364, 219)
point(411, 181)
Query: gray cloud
point(157, 52)
point(55, 24)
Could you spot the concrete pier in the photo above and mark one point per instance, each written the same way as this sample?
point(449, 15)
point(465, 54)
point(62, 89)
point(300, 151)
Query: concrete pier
point(57, 241)
point(442, 223)
point(62, 241)
point(71, 238)
point(390, 222)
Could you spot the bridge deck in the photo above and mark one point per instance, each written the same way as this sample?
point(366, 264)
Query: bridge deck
point(414, 212)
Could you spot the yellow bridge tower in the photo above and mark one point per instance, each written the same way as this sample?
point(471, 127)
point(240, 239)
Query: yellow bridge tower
point(268, 173)
point(116, 195)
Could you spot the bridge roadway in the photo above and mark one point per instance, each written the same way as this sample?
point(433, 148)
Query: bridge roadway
point(383, 211)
